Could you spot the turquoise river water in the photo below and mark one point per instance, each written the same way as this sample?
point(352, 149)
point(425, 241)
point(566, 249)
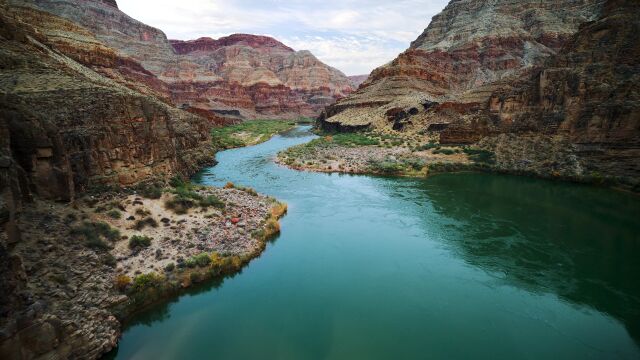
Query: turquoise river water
point(455, 266)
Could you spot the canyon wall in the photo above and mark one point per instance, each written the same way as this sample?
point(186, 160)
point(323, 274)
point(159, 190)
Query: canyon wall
point(246, 75)
point(550, 87)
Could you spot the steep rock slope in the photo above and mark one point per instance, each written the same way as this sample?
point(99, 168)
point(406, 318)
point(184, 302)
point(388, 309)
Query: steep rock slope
point(588, 95)
point(258, 72)
point(245, 75)
point(65, 128)
point(470, 45)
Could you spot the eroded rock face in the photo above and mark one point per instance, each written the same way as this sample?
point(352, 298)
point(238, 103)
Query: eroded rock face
point(70, 128)
point(469, 45)
point(230, 73)
point(550, 87)
point(588, 94)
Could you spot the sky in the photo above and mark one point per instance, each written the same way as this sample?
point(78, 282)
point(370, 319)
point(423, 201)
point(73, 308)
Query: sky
point(355, 36)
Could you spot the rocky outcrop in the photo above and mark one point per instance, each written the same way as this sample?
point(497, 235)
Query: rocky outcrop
point(357, 80)
point(257, 75)
point(588, 95)
point(550, 87)
point(232, 73)
point(470, 45)
point(65, 127)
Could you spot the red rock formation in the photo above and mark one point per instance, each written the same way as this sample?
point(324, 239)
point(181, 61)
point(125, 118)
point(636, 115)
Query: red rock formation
point(209, 44)
point(192, 73)
point(357, 80)
point(469, 45)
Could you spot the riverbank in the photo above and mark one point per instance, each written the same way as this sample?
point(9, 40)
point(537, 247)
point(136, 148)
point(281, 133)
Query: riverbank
point(379, 154)
point(97, 262)
point(418, 155)
point(248, 133)
point(94, 263)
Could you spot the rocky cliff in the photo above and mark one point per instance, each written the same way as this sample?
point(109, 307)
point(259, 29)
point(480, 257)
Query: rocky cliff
point(254, 76)
point(465, 49)
point(72, 117)
point(549, 87)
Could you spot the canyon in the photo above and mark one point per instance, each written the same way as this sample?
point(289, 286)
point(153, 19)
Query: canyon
point(237, 77)
point(103, 118)
point(549, 87)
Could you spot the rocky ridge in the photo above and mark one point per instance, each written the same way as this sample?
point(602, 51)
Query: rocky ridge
point(254, 76)
point(551, 91)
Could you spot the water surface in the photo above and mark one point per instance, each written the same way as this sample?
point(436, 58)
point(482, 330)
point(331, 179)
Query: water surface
point(455, 266)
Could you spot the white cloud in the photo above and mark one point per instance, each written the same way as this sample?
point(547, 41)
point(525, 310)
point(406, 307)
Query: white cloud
point(354, 36)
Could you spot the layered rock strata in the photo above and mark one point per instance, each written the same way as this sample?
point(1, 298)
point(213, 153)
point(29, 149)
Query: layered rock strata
point(549, 87)
point(257, 76)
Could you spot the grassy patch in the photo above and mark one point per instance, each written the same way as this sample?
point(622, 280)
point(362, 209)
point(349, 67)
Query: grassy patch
point(248, 133)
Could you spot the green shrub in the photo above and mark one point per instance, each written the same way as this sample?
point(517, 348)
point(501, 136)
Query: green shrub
point(145, 281)
point(211, 201)
point(151, 192)
point(190, 263)
point(139, 241)
point(95, 234)
point(177, 181)
point(148, 221)
point(480, 156)
point(386, 167)
point(115, 214)
point(179, 205)
point(202, 260)
point(170, 267)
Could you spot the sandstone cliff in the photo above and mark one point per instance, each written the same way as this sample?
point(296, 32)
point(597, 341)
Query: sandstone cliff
point(65, 127)
point(550, 87)
point(246, 75)
point(470, 45)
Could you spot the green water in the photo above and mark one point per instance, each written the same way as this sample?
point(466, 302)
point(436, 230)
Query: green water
point(452, 267)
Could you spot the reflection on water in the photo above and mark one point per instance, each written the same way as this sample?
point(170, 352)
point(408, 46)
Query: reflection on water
point(453, 266)
point(578, 242)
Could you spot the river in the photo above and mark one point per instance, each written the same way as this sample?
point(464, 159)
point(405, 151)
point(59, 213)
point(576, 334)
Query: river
point(455, 266)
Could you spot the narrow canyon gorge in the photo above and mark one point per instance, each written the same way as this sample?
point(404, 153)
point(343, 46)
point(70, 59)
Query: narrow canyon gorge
point(104, 121)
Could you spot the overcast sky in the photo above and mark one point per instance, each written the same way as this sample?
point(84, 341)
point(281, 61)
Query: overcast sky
point(354, 36)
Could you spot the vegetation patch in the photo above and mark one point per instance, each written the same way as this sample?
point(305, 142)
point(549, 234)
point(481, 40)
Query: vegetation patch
point(96, 234)
point(480, 156)
point(248, 133)
point(139, 241)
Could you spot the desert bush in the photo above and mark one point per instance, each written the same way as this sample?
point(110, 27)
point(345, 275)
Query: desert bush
point(139, 241)
point(145, 281)
point(95, 234)
point(480, 156)
point(114, 214)
point(202, 260)
point(211, 201)
point(122, 282)
point(151, 192)
point(386, 167)
point(170, 267)
point(278, 209)
point(148, 221)
point(179, 205)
